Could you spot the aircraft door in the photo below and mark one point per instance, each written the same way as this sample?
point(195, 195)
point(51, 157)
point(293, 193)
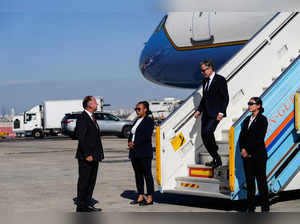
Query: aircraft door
point(201, 29)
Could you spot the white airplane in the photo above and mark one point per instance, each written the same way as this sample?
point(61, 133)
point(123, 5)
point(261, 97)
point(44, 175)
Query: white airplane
point(183, 39)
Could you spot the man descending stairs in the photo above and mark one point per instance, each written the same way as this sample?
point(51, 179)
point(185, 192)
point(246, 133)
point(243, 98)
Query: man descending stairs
point(213, 107)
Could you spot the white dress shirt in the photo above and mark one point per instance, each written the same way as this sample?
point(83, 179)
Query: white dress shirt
point(133, 129)
point(90, 114)
point(208, 85)
point(210, 80)
point(250, 121)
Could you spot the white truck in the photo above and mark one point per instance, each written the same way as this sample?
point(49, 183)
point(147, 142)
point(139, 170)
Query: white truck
point(46, 119)
point(18, 125)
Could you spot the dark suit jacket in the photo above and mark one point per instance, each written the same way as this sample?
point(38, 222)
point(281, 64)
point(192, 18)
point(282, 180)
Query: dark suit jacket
point(142, 140)
point(253, 139)
point(215, 100)
point(89, 141)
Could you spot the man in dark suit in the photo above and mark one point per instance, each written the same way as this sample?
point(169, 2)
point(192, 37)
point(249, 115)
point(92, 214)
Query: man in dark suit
point(89, 154)
point(213, 107)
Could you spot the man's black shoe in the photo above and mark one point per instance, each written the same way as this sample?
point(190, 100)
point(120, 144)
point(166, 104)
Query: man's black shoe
point(217, 164)
point(93, 209)
point(250, 210)
point(211, 163)
point(265, 209)
point(83, 210)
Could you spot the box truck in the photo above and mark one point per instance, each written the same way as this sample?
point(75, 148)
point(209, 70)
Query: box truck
point(45, 119)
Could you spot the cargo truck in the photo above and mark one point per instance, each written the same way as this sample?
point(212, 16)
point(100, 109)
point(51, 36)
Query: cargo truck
point(45, 119)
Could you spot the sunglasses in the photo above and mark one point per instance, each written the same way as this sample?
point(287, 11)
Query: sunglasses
point(251, 103)
point(137, 109)
point(203, 70)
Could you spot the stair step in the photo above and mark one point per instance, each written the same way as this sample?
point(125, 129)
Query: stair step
point(274, 78)
point(198, 184)
point(199, 193)
point(205, 157)
point(199, 170)
point(198, 180)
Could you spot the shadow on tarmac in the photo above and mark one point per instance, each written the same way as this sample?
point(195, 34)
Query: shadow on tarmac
point(191, 201)
point(211, 203)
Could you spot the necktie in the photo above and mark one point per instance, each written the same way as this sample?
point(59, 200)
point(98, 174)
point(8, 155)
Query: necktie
point(207, 84)
point(94, 118)
point(95, 121)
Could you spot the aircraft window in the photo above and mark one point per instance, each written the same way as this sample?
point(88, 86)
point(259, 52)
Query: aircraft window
point(161, 24)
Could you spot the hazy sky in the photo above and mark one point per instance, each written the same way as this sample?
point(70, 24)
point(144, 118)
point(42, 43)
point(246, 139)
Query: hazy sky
point(66, 49)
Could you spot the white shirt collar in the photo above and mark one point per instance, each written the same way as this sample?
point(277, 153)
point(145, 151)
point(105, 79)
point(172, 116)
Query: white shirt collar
point(89, 113)
point(212, 76)
point(251, 120)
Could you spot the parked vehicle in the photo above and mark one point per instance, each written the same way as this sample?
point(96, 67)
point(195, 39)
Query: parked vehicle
point(46, 119)
point(109, 124)
point(18, 125)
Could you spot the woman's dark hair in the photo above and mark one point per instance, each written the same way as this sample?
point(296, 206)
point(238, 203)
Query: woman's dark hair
point(258, 101)
point(146, 105)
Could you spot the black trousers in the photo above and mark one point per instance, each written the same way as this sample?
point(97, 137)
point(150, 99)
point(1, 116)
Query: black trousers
point(208, 127)
point(255, 168)
point(86, 182)
point(142, 170)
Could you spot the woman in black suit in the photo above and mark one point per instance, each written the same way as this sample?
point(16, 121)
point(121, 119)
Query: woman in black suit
point(253, 152)
point(141, 153)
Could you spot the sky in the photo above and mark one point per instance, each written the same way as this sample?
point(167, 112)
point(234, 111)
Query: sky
point(66, 49)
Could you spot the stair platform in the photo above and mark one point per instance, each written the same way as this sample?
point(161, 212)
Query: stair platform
point(198, 193)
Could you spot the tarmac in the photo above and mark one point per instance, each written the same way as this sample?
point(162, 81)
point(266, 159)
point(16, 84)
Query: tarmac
point(41, 176)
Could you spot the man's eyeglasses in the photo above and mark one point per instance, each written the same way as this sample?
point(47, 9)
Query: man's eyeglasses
point(137, 109)
point(251, 103)
point(203, 70)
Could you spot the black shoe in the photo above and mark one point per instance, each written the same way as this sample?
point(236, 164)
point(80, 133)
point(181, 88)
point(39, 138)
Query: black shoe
point(250, 210)
point(265, 210)
point(135, 202)
point(93, 209)
point(83, 210)
point(145, 203)
point(211, 163)
point(217, 164)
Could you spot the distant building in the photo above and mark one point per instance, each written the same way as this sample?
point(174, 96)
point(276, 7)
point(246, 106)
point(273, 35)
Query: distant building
point(160, 108)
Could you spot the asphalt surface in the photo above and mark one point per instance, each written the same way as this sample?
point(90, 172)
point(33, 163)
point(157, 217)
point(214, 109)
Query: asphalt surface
point(41, 175)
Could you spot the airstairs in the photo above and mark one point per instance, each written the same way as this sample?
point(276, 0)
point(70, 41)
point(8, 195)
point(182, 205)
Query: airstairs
point(268, 66)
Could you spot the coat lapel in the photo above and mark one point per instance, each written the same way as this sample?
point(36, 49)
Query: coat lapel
point(253, 122)
point(141, 124)
point(91, 121)
point(212, 83)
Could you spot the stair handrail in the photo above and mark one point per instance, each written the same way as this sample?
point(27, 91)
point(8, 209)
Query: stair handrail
point(232, 74)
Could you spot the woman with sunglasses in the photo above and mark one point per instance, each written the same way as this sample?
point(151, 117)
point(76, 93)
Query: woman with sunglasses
point(141, 153)
point(253, 152)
